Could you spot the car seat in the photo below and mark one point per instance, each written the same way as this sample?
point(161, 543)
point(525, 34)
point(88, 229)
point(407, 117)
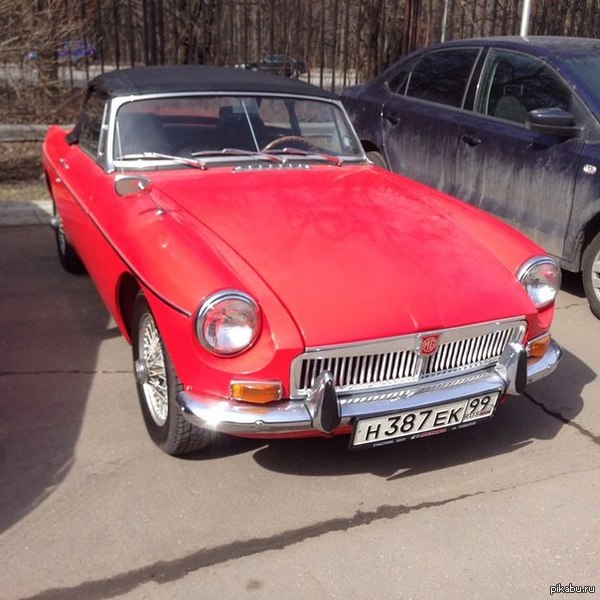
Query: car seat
point(139, 132)
point(511, 109)
point(240, 129)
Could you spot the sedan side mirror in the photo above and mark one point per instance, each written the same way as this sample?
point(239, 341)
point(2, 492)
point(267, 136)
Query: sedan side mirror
point(553, 121)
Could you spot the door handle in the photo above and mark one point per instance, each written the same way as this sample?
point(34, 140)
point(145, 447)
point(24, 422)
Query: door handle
point(470, 140)
point(63, 163)
point(393, 119)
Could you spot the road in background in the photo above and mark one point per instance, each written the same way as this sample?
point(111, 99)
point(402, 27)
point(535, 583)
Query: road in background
point(90, 509)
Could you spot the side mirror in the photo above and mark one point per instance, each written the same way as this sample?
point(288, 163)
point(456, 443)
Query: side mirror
point(129, 185)
point(553, 121)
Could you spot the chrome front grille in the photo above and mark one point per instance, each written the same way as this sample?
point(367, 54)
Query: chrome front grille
point(397, 361)
point(467, 353)
point(364, 370)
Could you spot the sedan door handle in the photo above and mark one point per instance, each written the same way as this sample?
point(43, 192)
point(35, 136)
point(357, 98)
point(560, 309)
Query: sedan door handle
point(393, 119)
point(470, 140)
point(63, 163)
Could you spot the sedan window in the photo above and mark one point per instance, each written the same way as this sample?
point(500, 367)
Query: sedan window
point(514, 84)
point(587, 68)
point(442, 77)
point(396, 83)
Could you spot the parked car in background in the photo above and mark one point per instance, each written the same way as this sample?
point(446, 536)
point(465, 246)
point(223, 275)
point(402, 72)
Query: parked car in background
point(74, 51)
point(279, 64)
point(272, 282)
point(77, 51)
point(511, 125)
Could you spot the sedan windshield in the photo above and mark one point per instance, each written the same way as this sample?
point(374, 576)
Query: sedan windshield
point(225, 128)
point(587, 69)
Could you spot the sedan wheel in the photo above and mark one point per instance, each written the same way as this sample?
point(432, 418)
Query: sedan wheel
point(590, 268)
point(157, 386)
point(377, 159)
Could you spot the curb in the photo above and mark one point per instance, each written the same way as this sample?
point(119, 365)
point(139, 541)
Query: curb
point(22, 133)
point(34, 212)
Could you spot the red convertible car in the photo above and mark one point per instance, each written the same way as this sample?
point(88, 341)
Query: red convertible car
point(273, 282)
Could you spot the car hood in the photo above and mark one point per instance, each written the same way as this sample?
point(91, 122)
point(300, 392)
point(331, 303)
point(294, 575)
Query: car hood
point(356, 253)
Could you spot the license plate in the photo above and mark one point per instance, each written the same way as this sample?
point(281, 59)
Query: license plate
point(412, 424)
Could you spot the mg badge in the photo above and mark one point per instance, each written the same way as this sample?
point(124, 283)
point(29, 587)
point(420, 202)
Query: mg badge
point(429, 344)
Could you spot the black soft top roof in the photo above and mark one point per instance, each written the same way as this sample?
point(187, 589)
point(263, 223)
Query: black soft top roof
point(198, 78)
point(175, 79)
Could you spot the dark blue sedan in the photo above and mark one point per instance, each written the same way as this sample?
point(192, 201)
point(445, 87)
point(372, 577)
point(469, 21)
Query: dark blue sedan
point(511, 125)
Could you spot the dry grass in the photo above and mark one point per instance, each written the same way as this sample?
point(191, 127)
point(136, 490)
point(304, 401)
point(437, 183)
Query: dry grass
point(23, 191)
point(20, 161)
point(21, 172)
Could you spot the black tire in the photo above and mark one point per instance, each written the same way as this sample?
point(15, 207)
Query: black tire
point(377, 159)
point(67, 255)
point(590, 274)
point(157, 385)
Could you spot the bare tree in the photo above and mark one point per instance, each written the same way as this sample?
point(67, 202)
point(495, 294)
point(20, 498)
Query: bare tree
point(341, 41)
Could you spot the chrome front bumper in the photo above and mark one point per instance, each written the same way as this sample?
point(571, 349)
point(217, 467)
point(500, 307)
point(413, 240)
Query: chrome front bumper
point(323, 410)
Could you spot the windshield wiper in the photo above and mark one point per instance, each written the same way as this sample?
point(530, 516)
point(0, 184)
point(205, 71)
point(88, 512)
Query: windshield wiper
point(239, 152)
point(190, 162)
point(328, 158)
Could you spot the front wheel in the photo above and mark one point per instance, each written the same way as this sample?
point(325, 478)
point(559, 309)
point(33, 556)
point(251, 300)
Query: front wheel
point(590, 273)
point(157, 386)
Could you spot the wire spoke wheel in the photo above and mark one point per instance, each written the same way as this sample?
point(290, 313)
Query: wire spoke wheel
point(158, 385)
point(152, 366)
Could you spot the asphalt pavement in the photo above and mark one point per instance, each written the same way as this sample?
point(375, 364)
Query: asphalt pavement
point(90, 509)
point(32, 212)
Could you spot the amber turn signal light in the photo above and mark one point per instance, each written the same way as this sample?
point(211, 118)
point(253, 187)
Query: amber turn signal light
point(537, 348)
point(258, 392)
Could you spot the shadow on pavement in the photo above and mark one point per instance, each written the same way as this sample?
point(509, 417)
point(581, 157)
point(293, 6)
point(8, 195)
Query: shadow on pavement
point(518, 422)
point(572, 284)
point(50, 323)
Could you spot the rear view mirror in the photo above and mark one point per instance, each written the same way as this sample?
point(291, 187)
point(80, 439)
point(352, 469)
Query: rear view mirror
point(553, 121)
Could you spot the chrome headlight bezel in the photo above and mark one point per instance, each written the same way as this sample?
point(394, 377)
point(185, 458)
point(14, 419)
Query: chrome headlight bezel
point(540, 276)
point(228, 323)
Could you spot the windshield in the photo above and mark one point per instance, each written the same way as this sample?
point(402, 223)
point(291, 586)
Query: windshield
point(232, 127)
point(587, 69)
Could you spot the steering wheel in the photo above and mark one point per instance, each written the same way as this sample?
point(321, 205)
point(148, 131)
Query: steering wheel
point(296, 141)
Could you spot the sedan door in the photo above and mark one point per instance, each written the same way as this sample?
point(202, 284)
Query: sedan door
point(423, 111)
point(524, 177)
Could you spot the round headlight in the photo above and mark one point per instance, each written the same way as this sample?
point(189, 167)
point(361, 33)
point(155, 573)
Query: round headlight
point(228, 322)
point(541, 277)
